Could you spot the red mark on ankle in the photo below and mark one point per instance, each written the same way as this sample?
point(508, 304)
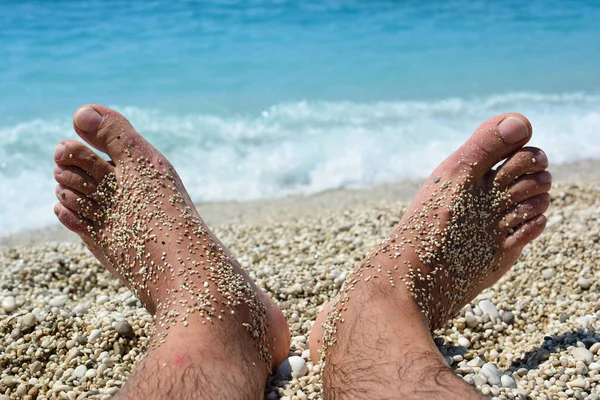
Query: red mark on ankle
point(179, 360)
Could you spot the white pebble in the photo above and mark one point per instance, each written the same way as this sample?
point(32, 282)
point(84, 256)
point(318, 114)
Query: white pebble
point(578, 383)
point(475, 362)
point(294, 366)
point(94, 335)
point(80, 371)
point(464, 342)
point(508, 381)
point(102, 299)
point(306, 354)
point(295, 288)
point(490, 371)
point(549, 273)
point(489, 308)
point(28, 321)
point(582, 354)
point(583, 283)
point(57, 301)
point(80, 309)
point(9, 304)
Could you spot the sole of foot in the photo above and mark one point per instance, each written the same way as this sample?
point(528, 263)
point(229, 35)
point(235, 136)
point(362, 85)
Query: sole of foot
point(466, 227)
point(134, 214)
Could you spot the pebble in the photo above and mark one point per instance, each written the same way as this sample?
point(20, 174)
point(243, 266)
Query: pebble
point(489, 308)
point(582, 354)
point(295, 289)
point(490, 371)
point(470, 320)
point(28, 320)
point(294, 366)
point(94, 335)
point(508, 382)
point(577, 383)
point(549, 273)
point(8, 304)
point(476, 362)
point(80, 309)
point(102, 299)
point(80, 371)
point(464, 342)
point(508, 318)
point(124, 328)
point(57, 301)
point(583, 283)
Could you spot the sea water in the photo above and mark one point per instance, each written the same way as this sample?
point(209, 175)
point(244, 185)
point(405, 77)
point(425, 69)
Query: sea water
point(261, 99)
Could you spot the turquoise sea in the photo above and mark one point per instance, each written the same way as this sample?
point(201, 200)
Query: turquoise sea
point(255, 99)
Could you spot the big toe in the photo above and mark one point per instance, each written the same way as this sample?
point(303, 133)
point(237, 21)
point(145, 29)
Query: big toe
point(110, 132)
point(494, 140)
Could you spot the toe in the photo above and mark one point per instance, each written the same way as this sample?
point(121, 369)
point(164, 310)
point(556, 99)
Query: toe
point(529, 186)
point(493, 141)
point(76, 201)
point(110, 132)
point(525, 161)
point(525, 211)
point(75, 178)
point(526, 233)
point(76, 154)
point(72, 220)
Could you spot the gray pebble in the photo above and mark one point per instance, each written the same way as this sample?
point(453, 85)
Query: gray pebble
point(508, 318)
point(124, 328)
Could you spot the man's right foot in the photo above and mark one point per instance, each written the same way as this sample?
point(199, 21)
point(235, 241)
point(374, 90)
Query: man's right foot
point(465, 229)
point(136, 217)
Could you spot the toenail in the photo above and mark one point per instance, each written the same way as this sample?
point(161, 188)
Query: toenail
point(541, 158)
point(56, 209)
point(58, 170)
point(87, 119)
point(59, 151)
point(513, 129)
point(545, 177)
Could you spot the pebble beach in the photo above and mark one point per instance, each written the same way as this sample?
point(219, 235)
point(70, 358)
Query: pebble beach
point(69, 330)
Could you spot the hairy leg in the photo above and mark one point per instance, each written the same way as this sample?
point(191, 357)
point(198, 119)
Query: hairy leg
point(467, 226)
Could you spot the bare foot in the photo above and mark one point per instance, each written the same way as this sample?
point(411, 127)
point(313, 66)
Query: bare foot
point(465, 229)
point(136, 217)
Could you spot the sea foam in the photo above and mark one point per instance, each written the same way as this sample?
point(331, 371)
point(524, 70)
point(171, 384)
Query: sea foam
point(296, 148)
